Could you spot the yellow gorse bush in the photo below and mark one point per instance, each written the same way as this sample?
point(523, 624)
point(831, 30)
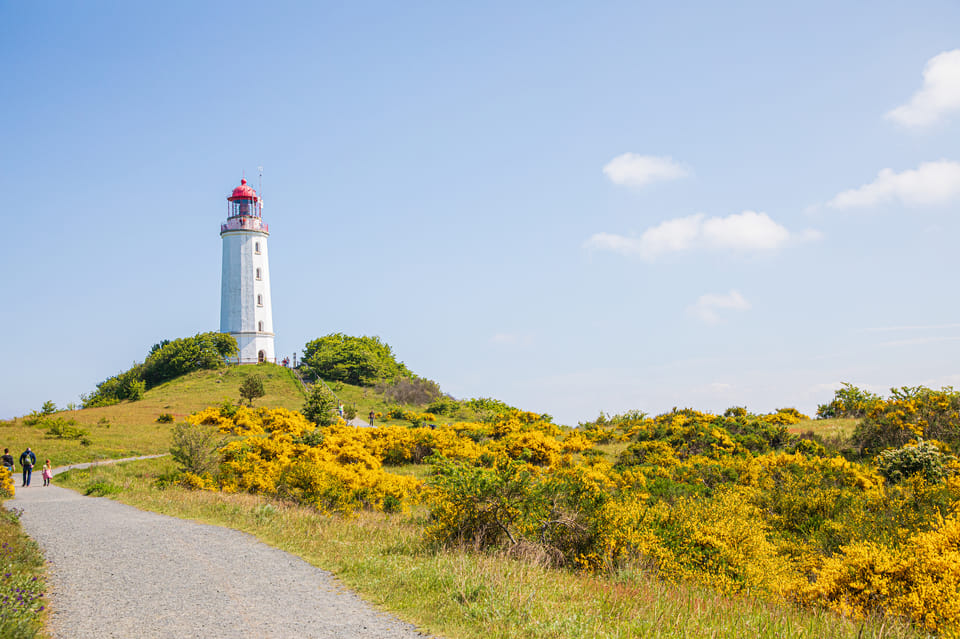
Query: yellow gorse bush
point(919, 579)
point(7, 485)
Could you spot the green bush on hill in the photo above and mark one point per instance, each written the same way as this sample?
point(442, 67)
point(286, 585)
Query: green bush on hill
point(848, 401)
point(362, 361)
point(413, 390)
point(167, 360)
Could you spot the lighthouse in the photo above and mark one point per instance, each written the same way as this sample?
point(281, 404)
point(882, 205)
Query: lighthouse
point(245, 310)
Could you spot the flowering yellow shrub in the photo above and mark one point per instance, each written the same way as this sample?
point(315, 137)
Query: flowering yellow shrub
point(396, 445)
point(413, 417)
point(7, 484)
point(518, 421)
point(919, 580)
point(337, 472)
point(531, 446)
point(909, 414)
point(197, 482)
point(785, 417)
point(722, 542)
point(576, 442)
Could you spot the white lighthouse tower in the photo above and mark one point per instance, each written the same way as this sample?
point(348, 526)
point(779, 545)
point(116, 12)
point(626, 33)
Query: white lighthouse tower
point(245, 310)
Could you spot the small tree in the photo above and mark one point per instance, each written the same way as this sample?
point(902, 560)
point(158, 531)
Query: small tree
point(251, 388)
point(195, 448)
point(319, 406)
point(48, 408)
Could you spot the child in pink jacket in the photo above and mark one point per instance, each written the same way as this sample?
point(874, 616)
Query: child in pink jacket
point(47, 473)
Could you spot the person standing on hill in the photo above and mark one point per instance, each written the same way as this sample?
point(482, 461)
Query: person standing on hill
point(27, 461)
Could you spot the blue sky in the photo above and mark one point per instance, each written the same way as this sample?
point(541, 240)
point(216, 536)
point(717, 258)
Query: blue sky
point(573, 207)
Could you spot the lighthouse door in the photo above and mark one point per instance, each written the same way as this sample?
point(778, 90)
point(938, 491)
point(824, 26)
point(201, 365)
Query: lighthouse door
point(261, 357)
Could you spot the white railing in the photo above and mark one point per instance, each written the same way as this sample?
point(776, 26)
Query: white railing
point(245, 223)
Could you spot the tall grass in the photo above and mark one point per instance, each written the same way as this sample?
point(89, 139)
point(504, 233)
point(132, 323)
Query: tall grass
point(465, 594)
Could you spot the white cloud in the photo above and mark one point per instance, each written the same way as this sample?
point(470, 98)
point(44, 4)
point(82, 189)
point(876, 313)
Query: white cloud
point(639, 170)
point(748, 231)
point(939, 94)
point(741, 232)
point(708, 306)
point(930, 183)
point(670, 237)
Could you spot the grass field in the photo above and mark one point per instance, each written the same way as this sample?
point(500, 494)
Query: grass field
point(826, 427)
point(129, 429)
point(465, 594)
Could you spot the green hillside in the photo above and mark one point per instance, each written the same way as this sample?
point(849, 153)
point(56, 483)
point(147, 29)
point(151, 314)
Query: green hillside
point(131, 428)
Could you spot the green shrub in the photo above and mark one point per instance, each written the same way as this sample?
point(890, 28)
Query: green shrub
point(848, 401)
point(195, 448)
point(922, 458)
point(251, 388)
point(910, 413)
point(188, 354)
point(320, 405)
point(61, 428)
point(443, 405)
point(102, 488)
point(362, 361)
point(478, 506)
point(167, 360)
point(164, 418)
point(414, 390)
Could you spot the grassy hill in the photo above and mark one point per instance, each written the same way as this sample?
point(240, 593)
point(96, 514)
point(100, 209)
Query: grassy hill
point(131, 428)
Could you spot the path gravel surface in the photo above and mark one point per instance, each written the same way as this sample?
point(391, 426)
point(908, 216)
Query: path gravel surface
point(115, 571)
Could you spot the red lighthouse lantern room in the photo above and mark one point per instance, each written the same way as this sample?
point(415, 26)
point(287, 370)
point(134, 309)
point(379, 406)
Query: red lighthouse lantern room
point(244, 210)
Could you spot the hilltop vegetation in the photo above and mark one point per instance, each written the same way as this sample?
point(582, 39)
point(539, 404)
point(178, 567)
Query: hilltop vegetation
point(167, 360)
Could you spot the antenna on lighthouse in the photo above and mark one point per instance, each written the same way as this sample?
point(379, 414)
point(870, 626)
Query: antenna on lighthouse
point(260, 186)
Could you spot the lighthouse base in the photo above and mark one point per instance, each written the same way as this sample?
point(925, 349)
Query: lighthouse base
point(254, 348)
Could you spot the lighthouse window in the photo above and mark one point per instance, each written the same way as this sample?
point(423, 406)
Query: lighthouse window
point(260, 326)
point(258, 274)
point(259, 300)
point(256, 248)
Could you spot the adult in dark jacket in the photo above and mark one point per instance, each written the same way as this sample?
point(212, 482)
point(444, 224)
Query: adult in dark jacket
point(7, 460)
point(27, 460)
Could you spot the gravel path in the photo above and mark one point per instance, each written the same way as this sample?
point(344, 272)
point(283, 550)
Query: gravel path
point(115, 571)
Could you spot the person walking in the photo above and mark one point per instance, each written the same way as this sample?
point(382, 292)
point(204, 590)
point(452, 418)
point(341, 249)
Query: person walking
point(371, 418)
point(27, 461)
point(47, 473)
